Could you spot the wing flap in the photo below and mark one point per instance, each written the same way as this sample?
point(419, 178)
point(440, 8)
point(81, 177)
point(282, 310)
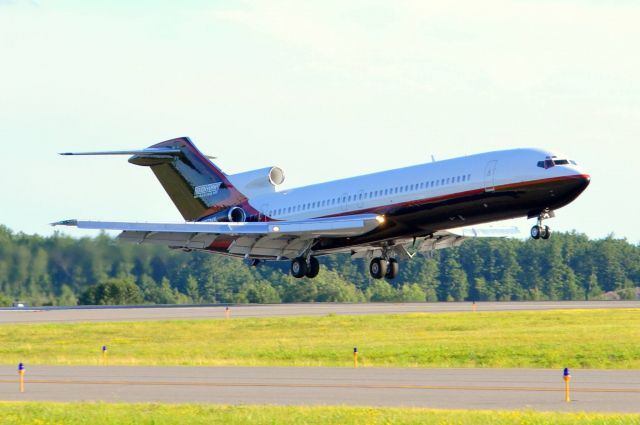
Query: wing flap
point(346, 226)
point(186, 240)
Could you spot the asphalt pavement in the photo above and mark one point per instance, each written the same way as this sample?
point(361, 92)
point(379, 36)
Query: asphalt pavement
point(537, 389)
point(135, 313)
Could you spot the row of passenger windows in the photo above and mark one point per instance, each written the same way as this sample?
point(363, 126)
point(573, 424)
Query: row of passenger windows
point(373, 194)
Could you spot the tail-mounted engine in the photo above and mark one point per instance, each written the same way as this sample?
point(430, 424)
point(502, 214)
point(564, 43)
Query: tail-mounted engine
point(230, 215)
point(258, 182)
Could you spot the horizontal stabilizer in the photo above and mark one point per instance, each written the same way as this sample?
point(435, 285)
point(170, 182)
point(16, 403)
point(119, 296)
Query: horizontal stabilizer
point(148, 151)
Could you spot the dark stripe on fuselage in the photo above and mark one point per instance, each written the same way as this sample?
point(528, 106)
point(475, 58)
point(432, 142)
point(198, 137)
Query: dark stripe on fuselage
point(424, 217)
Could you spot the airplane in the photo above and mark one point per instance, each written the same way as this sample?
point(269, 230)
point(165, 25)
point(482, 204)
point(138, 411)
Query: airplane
point(383, 217)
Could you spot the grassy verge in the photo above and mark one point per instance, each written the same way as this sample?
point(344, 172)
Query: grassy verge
point(160, 414)
point(551, 339)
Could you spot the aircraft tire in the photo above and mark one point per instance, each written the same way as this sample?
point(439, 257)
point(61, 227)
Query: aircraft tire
point(392, 269)
point(298, 267)
point(314, 268)
point(536, 231)
point(378, 268)
point(546, 232)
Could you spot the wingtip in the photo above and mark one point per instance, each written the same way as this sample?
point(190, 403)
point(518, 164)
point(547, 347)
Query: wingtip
point(71, 222)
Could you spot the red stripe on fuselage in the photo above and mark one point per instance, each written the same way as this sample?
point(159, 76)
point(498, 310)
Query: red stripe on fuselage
point(382, 209)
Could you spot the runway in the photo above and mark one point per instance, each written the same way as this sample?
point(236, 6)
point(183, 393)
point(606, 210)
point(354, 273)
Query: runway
point(134, 313)
point(538, 389)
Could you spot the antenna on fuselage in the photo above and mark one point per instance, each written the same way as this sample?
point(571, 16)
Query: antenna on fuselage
point(433, 158)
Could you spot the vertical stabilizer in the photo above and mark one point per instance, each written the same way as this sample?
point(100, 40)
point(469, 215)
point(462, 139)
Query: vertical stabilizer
point(195, 185)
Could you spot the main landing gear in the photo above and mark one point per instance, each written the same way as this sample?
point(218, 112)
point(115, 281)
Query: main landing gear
point(380, 267)
point(301, 267)
point(539, 231)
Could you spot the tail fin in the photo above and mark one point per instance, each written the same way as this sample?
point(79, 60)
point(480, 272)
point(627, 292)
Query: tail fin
point(195, 185)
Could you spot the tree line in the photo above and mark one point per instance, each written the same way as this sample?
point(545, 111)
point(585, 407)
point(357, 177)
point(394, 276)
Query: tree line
point(60, 270)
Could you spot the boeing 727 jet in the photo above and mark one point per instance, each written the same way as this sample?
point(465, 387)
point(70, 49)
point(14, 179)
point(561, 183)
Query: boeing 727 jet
point(382, 216)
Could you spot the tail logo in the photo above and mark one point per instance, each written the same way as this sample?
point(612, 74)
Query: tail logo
point(206, 190)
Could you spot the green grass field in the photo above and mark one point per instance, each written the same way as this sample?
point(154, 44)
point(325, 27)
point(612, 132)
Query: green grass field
point(160, 414)
point(547, 339)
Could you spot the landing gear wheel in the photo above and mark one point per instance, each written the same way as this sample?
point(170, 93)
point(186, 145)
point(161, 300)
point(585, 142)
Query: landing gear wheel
point(546, 232)
point(378, 268)
point(314, 268)
point(298, 267)
point(539, 231)
point(536, 232)
point(392, 270)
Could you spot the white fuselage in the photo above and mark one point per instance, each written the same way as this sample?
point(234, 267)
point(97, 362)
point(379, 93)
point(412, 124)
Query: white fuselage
point(380, 191)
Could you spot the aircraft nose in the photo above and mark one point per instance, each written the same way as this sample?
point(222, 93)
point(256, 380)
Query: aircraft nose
point(585, 179)
point(581, 182)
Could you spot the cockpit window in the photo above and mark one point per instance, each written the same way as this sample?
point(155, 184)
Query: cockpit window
point(551, 162)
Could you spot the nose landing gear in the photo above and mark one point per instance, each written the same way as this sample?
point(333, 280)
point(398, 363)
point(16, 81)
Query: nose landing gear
point(539, 231)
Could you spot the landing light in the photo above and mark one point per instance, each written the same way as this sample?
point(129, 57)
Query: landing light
point(275, 228)
point(380, 219)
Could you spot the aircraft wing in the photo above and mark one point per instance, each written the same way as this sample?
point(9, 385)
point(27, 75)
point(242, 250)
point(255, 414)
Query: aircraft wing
point(282, 239)
point(407, 248)
point(454, 237)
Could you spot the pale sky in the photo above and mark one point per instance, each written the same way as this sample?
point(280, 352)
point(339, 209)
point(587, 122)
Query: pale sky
point(323, 89)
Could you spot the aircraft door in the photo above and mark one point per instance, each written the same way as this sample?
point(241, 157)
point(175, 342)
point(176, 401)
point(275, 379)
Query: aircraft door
point(490, 176)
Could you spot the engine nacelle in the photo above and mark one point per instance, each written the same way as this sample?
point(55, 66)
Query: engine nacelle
point(259, 181)
point(230, 215)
